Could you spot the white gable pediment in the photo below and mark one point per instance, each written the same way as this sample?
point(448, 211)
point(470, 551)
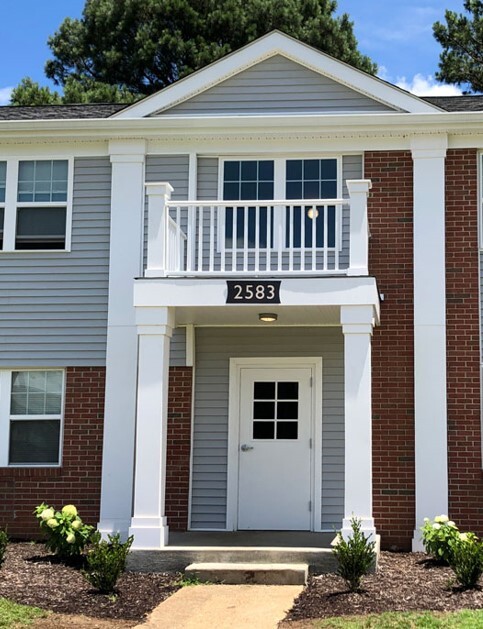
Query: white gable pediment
point(277, 74)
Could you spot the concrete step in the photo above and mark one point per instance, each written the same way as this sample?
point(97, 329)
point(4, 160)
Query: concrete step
point(249, 573)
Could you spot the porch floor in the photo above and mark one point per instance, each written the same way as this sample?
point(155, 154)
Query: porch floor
point(250, 539)
point(262, 547)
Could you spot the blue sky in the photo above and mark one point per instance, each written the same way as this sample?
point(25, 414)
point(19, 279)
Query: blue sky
point(394, 33)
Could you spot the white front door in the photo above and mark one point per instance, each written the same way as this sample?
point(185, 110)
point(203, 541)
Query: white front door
point(275, 408)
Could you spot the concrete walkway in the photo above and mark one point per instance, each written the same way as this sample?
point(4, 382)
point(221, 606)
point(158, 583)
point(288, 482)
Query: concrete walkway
point(224, 607)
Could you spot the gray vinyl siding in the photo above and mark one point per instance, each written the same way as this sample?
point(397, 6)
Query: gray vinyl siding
point(207, 184)
point(177, 351)
point(277, 85)
point(214, 348)
point(53, 306)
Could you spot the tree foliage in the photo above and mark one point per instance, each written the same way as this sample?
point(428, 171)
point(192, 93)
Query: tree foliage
point(461, 38)
point(120, 50)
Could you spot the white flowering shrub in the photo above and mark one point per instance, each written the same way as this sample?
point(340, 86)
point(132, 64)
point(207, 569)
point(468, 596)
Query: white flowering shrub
point(66, 533)
point(439, 537)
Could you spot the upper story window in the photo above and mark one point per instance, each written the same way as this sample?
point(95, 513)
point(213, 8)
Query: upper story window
point(31, 414)
point(37, 204)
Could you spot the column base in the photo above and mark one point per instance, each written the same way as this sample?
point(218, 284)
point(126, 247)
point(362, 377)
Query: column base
point(367, 527)
point(111, 527)
point(417, 543)
point(149, 533)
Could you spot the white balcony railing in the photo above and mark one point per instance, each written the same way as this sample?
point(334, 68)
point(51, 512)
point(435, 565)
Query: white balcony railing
point(309, 236)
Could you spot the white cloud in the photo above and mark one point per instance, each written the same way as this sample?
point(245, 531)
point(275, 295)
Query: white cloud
point(5, 94)
point(427, 86)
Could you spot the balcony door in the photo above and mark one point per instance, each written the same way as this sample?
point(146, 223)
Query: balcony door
point(276, 226)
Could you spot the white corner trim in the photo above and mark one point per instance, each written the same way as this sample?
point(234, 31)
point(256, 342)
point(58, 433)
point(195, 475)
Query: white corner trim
point(276, 43)
point(190, 345)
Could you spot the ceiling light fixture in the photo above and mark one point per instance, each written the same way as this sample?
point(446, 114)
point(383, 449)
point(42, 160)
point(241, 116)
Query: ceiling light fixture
point(312, 212)
point(268, 317)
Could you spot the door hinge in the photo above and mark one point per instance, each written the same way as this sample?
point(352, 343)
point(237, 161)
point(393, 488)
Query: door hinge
point(311, 381)
point(310, 505)
point(310, 443)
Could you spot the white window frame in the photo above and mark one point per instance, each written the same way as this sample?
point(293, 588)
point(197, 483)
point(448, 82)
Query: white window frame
point(3, 203)
point(11, 203)
point(6, 417)
point(279, 187)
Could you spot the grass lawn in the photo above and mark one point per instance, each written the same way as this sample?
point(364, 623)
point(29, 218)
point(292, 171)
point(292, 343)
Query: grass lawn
point(466, 619)
point(13, 615)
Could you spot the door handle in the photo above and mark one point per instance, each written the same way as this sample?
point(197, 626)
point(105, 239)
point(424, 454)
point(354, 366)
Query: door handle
point(245, 447)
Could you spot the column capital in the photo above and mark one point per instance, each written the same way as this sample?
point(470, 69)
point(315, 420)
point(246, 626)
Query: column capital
point(357, 319)
point(429, 146)
point(127, 150)
point(155, 320)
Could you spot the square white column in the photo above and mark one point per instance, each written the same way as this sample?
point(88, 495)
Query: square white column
point(125, 255)
point(430, 399)
point(357, 324)
point(148, 524)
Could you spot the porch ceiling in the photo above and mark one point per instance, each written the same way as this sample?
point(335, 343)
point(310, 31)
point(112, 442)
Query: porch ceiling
point(248, 315)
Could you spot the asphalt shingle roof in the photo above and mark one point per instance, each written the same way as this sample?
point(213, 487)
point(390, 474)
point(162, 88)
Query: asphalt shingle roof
point(105, 110)
point(59, 112)
point(456, 103)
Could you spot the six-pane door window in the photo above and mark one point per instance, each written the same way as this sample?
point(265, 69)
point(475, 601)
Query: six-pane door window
point(36, 408)
point(42, 204)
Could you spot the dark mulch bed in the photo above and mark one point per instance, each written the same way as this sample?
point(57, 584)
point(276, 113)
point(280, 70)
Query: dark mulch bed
point(33, 576)
point(404, 582)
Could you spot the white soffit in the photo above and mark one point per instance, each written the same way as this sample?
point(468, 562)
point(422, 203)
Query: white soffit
point(277, 43)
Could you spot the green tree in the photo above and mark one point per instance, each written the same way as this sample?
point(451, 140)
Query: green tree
point(121, 50)
point(461, 38)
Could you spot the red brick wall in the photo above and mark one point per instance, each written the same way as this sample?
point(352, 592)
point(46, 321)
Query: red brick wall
point(179, 445)
point(391, 262)
point(463, 354)
point(78, 481)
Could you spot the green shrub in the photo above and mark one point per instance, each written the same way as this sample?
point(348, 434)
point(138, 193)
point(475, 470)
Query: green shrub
point(356, 556)
point(467, 559)
point(3, 545)
point(439, 537)
point(106, 561)
point(66, 533)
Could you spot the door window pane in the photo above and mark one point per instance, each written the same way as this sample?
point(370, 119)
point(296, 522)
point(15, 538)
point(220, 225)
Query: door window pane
point(248, 180)
point(311, 179)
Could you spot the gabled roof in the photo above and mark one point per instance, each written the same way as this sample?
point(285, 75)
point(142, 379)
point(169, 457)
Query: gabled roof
point(277, 43)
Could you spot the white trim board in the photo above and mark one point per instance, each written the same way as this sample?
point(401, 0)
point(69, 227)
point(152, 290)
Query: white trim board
point(276, 43)
point(236, 365)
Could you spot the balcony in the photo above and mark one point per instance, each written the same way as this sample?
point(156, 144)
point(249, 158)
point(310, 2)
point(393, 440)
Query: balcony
point(321, 237)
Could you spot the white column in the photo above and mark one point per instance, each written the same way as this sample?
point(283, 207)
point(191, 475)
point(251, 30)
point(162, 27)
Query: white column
point(357, 324)
point(431, 456)
point(159, 195)
point(359, 229)
point(148, 525)
point(126, 243)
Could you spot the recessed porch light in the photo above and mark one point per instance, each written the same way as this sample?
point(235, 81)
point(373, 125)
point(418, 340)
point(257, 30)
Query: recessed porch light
point(268, 317)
